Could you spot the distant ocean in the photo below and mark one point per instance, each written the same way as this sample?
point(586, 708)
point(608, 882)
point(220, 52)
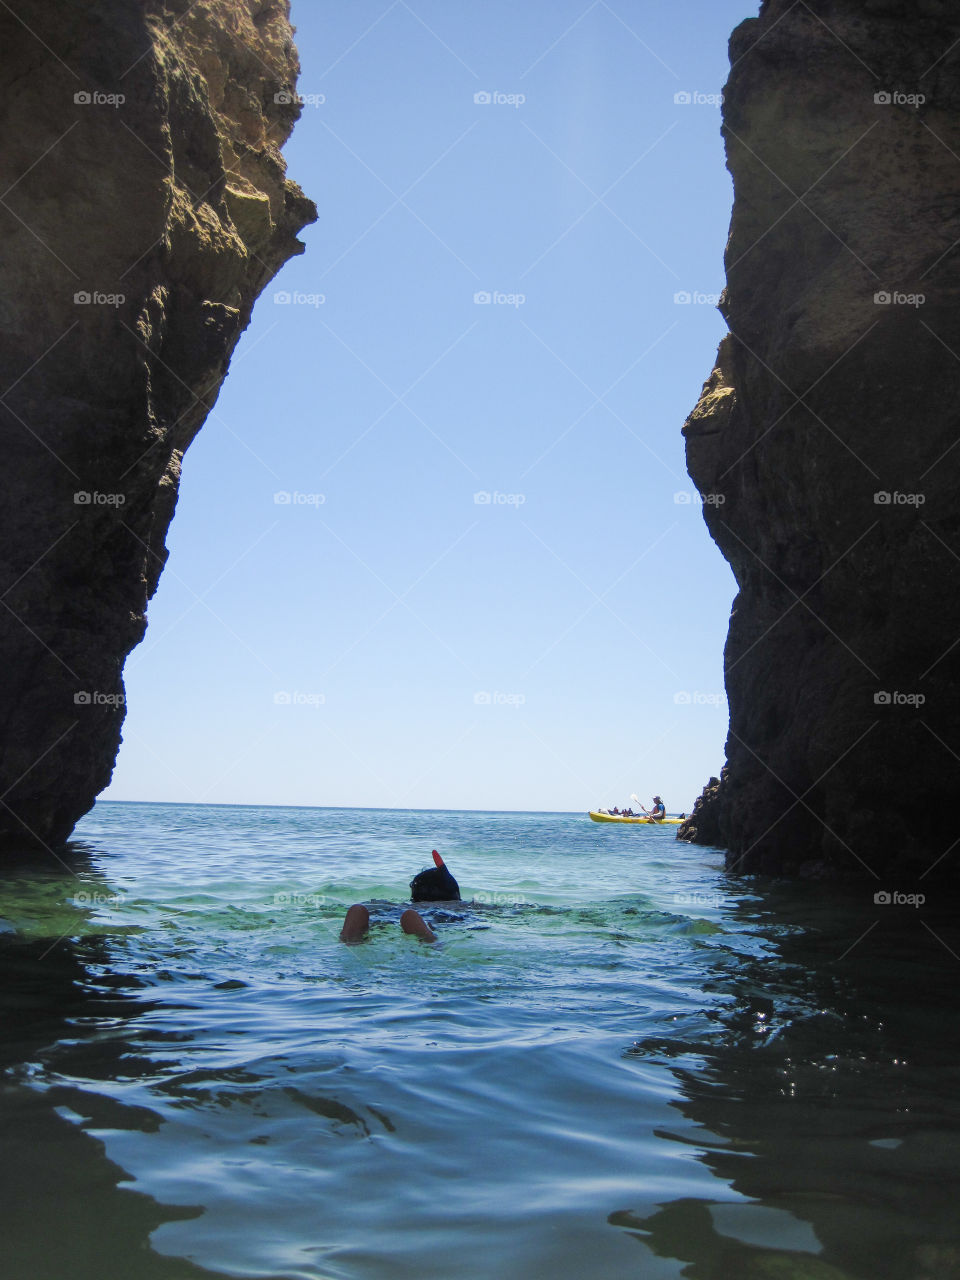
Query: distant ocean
point(622, 1062)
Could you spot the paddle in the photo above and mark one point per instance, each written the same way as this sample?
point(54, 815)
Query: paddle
point(645, 809)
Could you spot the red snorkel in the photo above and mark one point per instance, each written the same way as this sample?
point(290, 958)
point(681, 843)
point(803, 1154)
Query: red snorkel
point(435, 885)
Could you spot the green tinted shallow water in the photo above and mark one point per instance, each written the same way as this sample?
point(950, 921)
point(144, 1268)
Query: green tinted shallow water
point(623, 1064)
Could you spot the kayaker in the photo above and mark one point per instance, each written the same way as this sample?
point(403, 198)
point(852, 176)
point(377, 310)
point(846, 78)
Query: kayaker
point(433, 884)
point(658, 812)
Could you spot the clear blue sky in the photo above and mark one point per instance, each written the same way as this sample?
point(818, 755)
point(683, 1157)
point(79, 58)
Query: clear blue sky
point(582, 598)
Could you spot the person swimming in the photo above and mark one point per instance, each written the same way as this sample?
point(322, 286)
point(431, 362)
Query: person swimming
point(433, 884)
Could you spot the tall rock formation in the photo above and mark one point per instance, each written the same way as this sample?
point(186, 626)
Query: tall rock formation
point(829, 438)
point(143, 207)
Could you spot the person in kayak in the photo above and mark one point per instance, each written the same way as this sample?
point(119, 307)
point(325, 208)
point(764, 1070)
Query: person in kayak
point(658, 812)
point(433, 884)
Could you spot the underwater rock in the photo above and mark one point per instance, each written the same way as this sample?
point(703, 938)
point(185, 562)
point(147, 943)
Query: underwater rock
point(145, 207)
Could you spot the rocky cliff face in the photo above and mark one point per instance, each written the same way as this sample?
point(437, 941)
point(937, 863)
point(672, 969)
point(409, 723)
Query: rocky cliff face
point(144, 206)
point(829, 435)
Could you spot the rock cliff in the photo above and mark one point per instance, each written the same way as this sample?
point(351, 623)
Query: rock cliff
point(144, 206)
point(825, 442)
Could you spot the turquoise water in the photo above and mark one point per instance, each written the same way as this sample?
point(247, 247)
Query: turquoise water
point(623, 1063)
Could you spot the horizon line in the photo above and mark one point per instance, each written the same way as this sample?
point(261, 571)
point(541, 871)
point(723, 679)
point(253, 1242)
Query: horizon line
point(358, 808)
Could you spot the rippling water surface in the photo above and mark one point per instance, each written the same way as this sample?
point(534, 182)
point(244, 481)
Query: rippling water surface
point(623, 1063)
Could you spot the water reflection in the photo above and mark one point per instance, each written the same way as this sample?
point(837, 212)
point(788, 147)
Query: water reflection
point(465, 1111)
point(64, 1210)
point(827, 1095)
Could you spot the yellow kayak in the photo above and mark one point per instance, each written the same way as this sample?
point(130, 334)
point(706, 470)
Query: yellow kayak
point(597, 815)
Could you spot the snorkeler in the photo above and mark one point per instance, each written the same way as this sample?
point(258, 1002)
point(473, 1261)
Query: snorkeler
point(434, 884)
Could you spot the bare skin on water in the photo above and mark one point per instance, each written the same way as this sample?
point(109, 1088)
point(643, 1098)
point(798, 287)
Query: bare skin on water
point(436, 884)
point(356, 925)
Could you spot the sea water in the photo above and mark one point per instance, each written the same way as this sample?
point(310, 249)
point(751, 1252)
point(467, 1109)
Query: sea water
point(622, 1062)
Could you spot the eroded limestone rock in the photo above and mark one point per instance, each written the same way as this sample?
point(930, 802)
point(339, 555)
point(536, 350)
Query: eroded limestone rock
point(830, 426)
point(144, 206)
